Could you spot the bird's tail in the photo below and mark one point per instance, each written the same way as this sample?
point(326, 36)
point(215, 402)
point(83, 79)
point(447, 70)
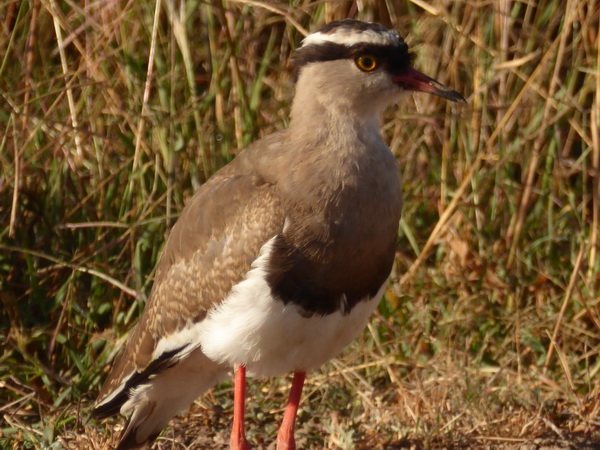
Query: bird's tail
point(155, 401)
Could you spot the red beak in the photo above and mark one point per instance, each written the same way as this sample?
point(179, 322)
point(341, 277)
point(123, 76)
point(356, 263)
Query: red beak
point(413, 80)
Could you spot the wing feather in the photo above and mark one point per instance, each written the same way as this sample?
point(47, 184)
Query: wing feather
point(209, 250)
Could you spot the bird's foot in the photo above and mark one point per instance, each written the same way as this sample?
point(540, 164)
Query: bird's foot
point(239, 443)
point(285, 441)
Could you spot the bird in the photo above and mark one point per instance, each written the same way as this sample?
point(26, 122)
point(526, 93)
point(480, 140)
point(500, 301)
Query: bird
point(278, 260)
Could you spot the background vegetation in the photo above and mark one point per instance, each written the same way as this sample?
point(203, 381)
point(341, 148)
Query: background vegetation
point(113, 113)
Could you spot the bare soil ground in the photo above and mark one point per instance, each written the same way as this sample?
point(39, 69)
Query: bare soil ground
point(421, 412)
point(198, 430)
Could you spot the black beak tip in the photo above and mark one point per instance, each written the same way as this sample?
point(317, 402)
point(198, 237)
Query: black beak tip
point(456, 97)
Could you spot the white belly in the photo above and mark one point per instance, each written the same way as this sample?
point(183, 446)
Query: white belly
point(250, 327)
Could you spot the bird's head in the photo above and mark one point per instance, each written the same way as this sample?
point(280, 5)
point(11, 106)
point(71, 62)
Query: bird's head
point(364, 67)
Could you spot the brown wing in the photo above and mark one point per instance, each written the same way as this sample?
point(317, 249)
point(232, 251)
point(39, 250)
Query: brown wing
point(209, 250)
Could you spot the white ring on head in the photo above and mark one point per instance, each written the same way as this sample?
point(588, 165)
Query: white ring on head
point(349, 37)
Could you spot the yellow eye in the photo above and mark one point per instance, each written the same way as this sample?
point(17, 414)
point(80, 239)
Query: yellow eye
point(366, 63)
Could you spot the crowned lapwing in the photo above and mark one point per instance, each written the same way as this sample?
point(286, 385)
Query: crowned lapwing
point(279, 259)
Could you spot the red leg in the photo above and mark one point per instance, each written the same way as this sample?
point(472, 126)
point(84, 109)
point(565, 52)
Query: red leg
point(285, 437)
point(238, 437)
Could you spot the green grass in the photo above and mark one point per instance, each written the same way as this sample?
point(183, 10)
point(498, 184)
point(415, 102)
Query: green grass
point(113, 114)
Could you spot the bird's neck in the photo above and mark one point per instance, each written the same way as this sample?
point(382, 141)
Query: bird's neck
point(333, 146)
point(332, 122)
